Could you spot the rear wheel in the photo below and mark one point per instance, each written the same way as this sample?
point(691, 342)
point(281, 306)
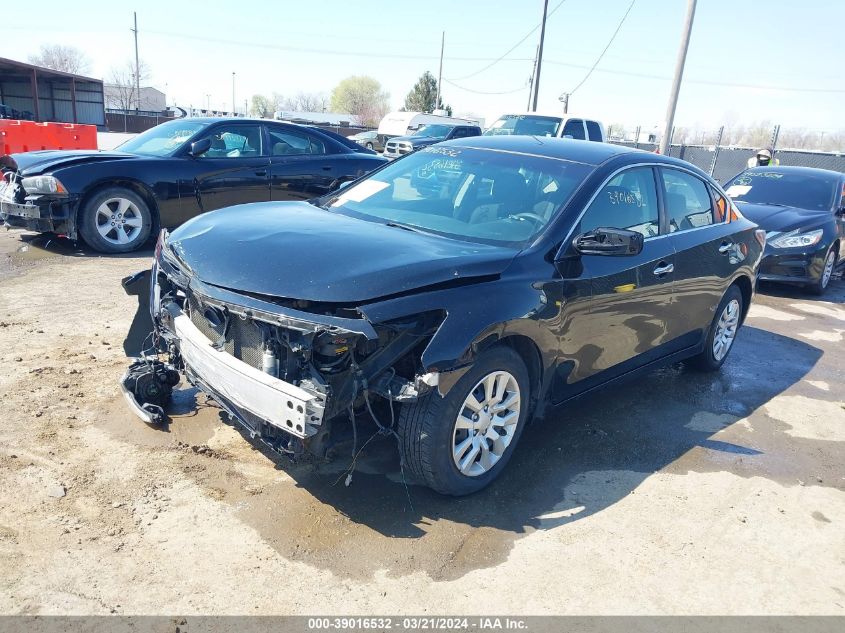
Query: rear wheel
point(460, 443)
point(722, 334)
point(821, 285)
point(115, 220)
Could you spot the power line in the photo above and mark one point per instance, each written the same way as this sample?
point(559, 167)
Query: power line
point(480, 92)
point(612, 37)
point(526, 59)
point(511, 49)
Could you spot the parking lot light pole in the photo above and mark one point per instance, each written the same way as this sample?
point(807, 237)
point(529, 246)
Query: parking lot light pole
point(233, 93)
point(676, 82)
point(440, 74)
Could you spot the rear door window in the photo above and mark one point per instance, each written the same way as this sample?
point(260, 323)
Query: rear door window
point(574, 128)
point(594, 130)
point(288, 143)
point(688, 202)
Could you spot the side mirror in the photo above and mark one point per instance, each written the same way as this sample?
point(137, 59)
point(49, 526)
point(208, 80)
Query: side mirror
point(609, 241)
point(344, 184)
point(198, 148)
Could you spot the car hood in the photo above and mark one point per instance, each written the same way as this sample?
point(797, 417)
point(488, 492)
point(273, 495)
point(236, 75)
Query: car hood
point(34, 163)
point(419, 139)
point(294, 250)
point(776, 218)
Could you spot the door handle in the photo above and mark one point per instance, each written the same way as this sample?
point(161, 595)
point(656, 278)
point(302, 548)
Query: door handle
point(724, 247)
point(261, 172)
point(664, 269)
point(327, 168)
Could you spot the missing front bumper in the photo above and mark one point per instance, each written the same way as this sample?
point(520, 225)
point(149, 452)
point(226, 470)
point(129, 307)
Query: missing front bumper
point(45, 215)
point(246, 390)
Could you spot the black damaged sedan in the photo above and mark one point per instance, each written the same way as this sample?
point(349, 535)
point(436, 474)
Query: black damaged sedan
point(116, 200)
point(453, 295)
point(803, 213)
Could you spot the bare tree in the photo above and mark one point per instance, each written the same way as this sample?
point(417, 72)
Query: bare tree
point(302, 102)
point(66, 59)
point(120, 87)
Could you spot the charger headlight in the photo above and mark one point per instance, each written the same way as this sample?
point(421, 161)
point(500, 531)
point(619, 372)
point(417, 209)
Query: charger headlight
point(797, 239)
point(43, 185)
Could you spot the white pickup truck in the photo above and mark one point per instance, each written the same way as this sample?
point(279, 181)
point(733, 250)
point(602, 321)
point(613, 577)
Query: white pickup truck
point(561, 126)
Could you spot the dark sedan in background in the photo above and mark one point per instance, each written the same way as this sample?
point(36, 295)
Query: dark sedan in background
point(470, 285)
point(167, 175)
point(802, 211)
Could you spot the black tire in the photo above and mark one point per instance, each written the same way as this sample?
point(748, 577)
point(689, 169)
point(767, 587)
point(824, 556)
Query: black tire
point(427, 427)
point(116, 198)
point(821, 285)
point(369, 146)
point(706, 360)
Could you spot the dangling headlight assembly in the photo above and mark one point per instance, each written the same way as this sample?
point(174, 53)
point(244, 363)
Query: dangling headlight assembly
point(796, 239)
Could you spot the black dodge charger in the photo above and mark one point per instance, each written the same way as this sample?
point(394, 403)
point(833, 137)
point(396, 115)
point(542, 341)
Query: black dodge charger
point(453, 295)
point(167, 175)
point(802, 211)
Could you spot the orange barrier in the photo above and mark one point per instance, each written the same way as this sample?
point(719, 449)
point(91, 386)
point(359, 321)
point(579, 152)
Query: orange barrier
point(28, 136)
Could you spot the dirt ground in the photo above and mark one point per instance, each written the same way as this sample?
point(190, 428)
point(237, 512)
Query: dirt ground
point(676, 494)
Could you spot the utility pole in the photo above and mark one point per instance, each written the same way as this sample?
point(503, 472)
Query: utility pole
point(676, 82)
point(440, 74)
point(564, 98)
point(137, 63)
point(531, 80)
point(208, 102)
point(539, 57)
point(233, 93)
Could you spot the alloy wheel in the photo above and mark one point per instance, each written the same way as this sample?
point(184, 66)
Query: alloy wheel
point(119, 221)
point(726, 328)
point(827, 273)
point(486, 423)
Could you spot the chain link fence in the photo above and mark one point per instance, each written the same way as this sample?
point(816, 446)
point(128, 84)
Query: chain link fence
point(725, 162)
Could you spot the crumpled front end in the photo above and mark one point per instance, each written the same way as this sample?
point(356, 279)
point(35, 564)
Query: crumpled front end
point(43, 213)
point(285, 369)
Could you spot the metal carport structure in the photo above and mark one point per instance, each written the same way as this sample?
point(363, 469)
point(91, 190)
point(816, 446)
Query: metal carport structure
point(51, 95)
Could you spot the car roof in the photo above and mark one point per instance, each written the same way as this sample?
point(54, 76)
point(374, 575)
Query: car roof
point(806, 171)
point(588, 152)
point(235, 119)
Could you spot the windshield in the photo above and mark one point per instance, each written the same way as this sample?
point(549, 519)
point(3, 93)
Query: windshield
point(164, 139)
point(525, 124)
point(469, 194)
point(433, 130)
point(804, 191)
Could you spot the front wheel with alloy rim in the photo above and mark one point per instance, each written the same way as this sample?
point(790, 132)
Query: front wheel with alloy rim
point(115, 220)
point(820, 286)
point(459, 443)
point(723, 331)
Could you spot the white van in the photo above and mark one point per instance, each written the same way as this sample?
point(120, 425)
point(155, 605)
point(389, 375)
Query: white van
point(406, 123)
point(561, 126)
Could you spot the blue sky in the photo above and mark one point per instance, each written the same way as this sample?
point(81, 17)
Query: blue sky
point(782, 60)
